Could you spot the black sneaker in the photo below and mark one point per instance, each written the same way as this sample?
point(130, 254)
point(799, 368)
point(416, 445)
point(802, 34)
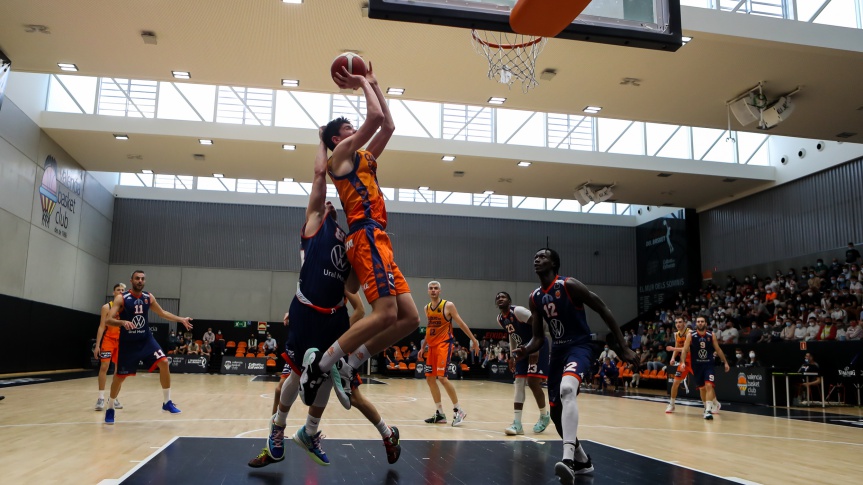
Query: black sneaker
point(566, 470)
point(393, 446)
point(438, 417)
point(312, 377)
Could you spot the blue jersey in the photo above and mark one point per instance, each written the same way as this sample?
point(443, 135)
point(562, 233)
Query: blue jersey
point(325, 267)
point(565, 316)
point(136, 310)
point(521, 332)
point(701, 347)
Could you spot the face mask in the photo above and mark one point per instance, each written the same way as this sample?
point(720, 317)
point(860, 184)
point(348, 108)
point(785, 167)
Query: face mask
point(739, 355)
point(805, 361)
point(788, 324)
point(799, 326)
point(799, 299)
point(606, 349)
point(766, 326)
point(751, 355)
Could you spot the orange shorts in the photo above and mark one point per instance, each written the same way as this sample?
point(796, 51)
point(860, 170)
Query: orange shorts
point(109, 348)
point(679, 376)
point(438, 359)
point(371, 255)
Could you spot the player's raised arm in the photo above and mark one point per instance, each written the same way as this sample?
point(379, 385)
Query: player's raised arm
point(344, 152)
point(380, 140)
point(318, 195)
point(454, 316)
point(158, 310)
point(579, 290)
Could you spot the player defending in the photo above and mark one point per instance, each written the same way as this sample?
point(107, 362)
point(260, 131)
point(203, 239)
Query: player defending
point(354, 173)
point(560, 302)
point(702, 363)
point(516, 321)
point(439, 339)
point(137, 342)
point(318, 316)
point(107, 342)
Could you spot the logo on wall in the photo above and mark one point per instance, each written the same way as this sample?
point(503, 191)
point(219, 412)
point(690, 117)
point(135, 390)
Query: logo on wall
point(58, 197)
point(48, 190)
point(741, 383)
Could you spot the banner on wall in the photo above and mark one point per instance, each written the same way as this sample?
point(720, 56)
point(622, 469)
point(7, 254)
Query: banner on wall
point(244, 365)
point(5, 69)
point(58, 200)
point(662, 248)
point(188, 364)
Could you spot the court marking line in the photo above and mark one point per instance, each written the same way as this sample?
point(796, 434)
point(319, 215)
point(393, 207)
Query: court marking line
point(145, 460)
point(666, 430)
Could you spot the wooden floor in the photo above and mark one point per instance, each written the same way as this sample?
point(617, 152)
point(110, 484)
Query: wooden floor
point(49, 432)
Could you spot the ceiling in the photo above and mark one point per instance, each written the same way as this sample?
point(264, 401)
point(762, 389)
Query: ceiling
point(259, 42)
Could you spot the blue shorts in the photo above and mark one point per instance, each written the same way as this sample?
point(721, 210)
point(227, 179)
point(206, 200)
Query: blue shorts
point(703, 374)
point(523, 368)
point(310, 328)
point(567, 360)
point(130, 353)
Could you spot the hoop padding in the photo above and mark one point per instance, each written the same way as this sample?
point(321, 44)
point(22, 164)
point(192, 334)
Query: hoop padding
point(510, 56)
point(545, 18)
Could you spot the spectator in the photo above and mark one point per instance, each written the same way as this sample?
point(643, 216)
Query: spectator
point(855, 331)
point(827, 330)
point(655, 364)
point(841, 333)
point(607, 352)
point(270, 344)
point(219, 346)
point(811, 330)
point(851, 254)
point(738, 359)
point(209, 337)
point(219, 335)
point(181, 346)
point(839, 314)
point(636, 341)
point(752, 361)
point(809, 366)
point(471, 355)
point(755, 334)
point(252, 343)
point(608, 374)
point(207, 350)
point(820, 268)
point(193, 348)
point(799, 331)
point(173, 342)
point(414, 354)
point(730, 335)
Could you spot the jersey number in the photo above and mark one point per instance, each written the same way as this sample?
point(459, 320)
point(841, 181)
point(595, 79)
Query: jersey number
point(139, 309)
point(159, 354)
point(550, 310)
point(510, 328)
point(703, 344)
point(431, 331)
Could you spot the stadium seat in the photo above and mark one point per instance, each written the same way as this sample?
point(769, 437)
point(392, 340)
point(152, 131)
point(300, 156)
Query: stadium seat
point(652, 374)
point(412, 366)
point(199, 342)
point(239, 354)
point(271, 363)
point(260, 355)
point(250, 355)
point(465, 368)
point(230, 343)
point(402, 366)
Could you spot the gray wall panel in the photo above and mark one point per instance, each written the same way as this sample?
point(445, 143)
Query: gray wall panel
point(162, 281)
point(225, 294)
point(89, 282)
point(283, 288)
point(193, 234)
point(95, 234)
point(14, 238)
point(815, 214)
point(17, 181)
point(19, 130)
point(97, 196)
point(51, 266)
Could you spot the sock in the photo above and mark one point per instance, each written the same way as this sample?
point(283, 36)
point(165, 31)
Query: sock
point(568, 450)
point(569, 414)
point(580, 455)
point(312, 425)
point(101, 394)
point(166, 394)
point(331, 356)
point(110, 403)
point(518, 416)
point(439, 407)
point(383, 429)
point(456, 407)
point(281, 417)
point(707, 406)
point(543, 411)
point(356, 359)
point(671, 401)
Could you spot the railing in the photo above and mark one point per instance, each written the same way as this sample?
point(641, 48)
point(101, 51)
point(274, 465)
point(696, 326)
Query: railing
point(839, 13)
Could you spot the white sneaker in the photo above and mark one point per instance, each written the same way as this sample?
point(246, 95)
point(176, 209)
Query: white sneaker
point(708, 415)
point(100, 404)
point(716, 407)
point(459, 417)
point(669, 409)
point(117, 404)
point(514, 429)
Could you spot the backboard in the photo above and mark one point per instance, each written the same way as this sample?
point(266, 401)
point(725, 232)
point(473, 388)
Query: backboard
point(650, 24)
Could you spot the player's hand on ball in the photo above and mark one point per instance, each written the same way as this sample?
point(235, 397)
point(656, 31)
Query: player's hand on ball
point(346, 80)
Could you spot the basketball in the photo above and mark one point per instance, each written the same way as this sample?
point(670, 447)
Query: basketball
point(352, 62)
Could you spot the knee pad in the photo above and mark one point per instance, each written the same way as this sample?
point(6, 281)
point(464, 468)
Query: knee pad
point(520, 382)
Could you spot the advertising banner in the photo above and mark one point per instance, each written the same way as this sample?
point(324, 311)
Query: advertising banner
point(188, 364)
point(244, 365)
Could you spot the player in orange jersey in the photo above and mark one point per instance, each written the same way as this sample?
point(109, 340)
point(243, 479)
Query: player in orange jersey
point(353, 170)
point(107, 343)
point(439, 340)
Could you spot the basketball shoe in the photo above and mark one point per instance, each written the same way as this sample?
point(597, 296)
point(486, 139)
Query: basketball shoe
point(514, 429)
point(312, 377)
point(276, 441)
point(437, 417)
point(716, 407)
point(669, 409)
point(393, 446)
point(543, 422)
point(109, 416)
point(343, 375)
point(169, 407)
point(263, 459)
point(312, 445)
point(117, 404)
point(100, 404)
point(458, 417)
point(567, 469)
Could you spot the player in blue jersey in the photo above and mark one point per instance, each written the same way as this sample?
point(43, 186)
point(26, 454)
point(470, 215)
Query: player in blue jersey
point(702, 362)
point(318, 317)
point(516, 321)
point(131, 312)
point(560, 303)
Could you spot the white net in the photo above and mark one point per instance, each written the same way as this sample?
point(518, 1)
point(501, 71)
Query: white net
point(510, 57)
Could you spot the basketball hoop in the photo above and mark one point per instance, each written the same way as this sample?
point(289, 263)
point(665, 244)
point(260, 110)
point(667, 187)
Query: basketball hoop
point(510, 56)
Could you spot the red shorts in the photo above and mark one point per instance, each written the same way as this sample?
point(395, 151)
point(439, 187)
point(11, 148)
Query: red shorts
point(438, 359)
point(371, 255)
point(108, 351)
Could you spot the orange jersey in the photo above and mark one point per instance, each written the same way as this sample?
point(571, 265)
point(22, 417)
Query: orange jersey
point(359, 191)
point(110, 331)
point(440, 328)
point(679, 342)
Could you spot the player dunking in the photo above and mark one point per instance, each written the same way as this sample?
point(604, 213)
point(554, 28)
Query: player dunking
point(107, 342)
point(702, 363)
point(439, 339)
point(560, 302)
point(516, 321)
point(137, 342)
point(318, 316)
point(354, 173)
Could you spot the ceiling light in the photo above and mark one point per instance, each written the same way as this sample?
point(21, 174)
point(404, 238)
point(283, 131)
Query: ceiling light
point(286, 179)
point(218, 175)
point(686, 39)
point(121, 137)
point(447, 158)
point(291, 83)
point(592, 109)
point(289, 147)
point(67, 67)
point(494, 100)
point(205, 142)
point(396, 91)
point(292, 1)
point(422, 188)
point(181, 75)
point(524, 164)
point(145, 171)
point(488, 192)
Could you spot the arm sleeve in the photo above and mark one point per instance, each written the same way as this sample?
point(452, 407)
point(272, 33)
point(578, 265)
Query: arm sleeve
point(522, 313)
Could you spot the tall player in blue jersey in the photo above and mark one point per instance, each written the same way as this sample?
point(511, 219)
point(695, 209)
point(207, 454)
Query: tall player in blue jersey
point(318, 317)
point(560, 302)
point(531, 372)
point(702, 362)
point(137, 342)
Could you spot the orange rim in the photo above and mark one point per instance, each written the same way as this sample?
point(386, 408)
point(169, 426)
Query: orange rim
point(504, 46)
